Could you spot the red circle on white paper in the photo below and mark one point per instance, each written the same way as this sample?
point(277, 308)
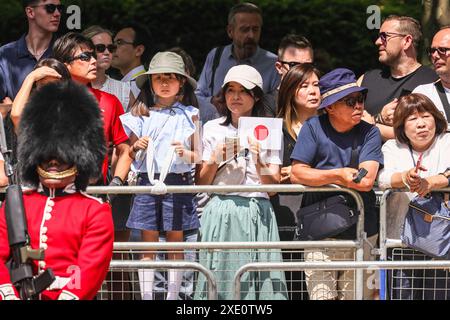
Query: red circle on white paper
point(261, 132)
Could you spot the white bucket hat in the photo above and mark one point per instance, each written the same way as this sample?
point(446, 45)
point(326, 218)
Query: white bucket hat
point(245, 75)
point(166, 62)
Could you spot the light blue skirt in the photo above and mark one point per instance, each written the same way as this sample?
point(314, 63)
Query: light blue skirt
point(234, 218)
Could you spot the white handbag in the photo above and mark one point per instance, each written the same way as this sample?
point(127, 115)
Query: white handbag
point(232, 171)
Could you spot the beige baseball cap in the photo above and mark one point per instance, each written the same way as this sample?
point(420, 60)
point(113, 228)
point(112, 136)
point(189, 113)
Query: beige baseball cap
point(246, 75)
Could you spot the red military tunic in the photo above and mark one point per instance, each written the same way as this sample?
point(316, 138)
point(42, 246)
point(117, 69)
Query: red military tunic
point(77, 233)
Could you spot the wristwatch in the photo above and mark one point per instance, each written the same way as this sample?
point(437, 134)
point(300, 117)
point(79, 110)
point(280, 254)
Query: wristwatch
point(446, 174)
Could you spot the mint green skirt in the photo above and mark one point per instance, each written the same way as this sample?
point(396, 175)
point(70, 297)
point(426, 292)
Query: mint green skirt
point(240, 219)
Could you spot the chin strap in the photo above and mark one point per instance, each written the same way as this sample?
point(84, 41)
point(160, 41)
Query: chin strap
point(56, 175)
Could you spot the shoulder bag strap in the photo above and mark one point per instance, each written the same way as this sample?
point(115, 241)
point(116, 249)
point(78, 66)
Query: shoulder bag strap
point(355, 154)
point(441, 92)
point(216, 61)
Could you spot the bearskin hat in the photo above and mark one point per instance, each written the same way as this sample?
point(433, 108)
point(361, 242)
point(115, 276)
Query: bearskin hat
point(62, 120)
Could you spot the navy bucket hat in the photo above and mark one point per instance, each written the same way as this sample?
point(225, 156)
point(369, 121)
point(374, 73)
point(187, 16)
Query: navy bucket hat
point(337, 84)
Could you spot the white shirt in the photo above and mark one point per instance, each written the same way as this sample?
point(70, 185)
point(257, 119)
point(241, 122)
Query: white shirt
point(431, 92)
point(397, 158)
point(131, 78)
point(214, 133)
point(119, 89)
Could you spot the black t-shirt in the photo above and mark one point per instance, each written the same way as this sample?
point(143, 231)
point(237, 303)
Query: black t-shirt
point(383, 88)
point(286, 204)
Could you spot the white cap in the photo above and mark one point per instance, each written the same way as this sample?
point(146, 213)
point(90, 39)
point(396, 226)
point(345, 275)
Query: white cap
point(245, 75)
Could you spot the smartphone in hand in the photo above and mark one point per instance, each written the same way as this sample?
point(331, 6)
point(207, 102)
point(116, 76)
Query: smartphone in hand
point(360, 175)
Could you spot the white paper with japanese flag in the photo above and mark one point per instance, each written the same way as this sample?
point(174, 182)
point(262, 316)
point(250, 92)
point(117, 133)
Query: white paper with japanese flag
point(267, 131)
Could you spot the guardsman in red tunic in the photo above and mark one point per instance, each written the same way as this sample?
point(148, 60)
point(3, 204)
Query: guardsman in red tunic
point(61, 147)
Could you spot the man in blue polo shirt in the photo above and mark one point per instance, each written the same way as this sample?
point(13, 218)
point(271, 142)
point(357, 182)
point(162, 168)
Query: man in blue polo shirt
point(330, 149)
point(244, 29)
point(18, 58)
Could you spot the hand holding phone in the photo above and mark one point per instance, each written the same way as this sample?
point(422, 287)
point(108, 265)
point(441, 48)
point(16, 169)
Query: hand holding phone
point(360, 175)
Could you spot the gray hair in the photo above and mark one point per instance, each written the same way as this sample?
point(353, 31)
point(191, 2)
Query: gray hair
point(245, 7)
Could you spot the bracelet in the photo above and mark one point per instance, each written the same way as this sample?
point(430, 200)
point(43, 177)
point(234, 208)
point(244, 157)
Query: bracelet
point(116, 181)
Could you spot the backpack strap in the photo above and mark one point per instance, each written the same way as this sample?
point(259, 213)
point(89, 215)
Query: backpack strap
point(443, 96)
point(216, 61)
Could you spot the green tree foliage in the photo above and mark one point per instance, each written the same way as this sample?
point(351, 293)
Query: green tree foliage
point(337, 28)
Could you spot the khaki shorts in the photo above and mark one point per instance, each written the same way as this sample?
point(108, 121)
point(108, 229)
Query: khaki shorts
point(339, 285)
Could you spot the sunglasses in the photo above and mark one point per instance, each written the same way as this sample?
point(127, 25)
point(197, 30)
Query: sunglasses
point(50, 8)
point(440, 50)
point(384, 36)
point(84, 56)
point(102, 47)
point(121, 42)
point(352, 101)
point(291, 64)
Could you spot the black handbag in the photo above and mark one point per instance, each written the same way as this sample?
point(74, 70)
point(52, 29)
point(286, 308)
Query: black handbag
point(329, 217)
point(325, 219)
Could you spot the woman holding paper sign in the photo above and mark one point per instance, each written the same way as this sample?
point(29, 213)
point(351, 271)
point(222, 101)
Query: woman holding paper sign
point(239, 216)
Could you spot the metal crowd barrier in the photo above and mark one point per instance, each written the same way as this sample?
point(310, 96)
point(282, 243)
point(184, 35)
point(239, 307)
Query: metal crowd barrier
point(212, 286)
point(332, 266)
point(220, 247)
point(386, 243)
point(357, 244)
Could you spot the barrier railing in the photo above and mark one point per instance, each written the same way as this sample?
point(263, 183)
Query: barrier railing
point(212, 286)
point(340, 265)
point(385, 242)
point(360, 234)
point(132, 248)
point(241, 188)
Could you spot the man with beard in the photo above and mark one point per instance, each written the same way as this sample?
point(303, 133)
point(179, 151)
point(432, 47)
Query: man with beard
point(244, 29)
point(439, 92)
point(19, 57)
point(397, 43)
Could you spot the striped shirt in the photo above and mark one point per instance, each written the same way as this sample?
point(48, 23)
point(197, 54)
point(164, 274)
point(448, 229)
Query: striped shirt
point(119, 89)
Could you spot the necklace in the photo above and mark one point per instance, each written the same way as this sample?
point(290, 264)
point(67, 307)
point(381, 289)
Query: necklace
point(36, 54)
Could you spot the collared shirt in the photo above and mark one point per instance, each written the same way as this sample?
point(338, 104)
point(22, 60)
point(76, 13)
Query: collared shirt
point(111, 109)
point(163, 126)
point(262, 60)
point(16, 62)
point(120, 89)
point(131, 78)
